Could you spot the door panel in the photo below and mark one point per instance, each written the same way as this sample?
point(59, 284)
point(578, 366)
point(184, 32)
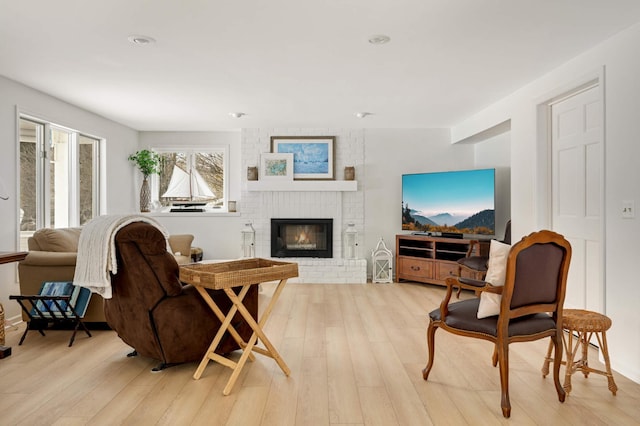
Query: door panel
point(577, 182)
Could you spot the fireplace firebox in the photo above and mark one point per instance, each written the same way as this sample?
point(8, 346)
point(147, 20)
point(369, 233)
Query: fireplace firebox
point(302, 238)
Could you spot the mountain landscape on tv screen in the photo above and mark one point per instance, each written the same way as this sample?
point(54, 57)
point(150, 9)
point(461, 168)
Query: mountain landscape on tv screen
point(447, 219)
point(482, 222)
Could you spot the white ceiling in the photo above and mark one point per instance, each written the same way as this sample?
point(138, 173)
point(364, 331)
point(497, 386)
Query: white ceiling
point(295, 63)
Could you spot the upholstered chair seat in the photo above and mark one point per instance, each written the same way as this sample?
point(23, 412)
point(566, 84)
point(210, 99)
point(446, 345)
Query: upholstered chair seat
point(463, 316)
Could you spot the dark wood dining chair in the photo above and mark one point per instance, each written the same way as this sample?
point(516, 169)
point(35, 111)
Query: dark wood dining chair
point(530, 307)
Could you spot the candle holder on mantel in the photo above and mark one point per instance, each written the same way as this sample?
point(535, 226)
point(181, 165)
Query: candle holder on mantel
point(382, 261)
point(349, 173)
point(252, 173)
point(248, 240)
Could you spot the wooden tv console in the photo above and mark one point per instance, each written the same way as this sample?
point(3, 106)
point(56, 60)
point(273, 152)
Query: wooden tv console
point(432, 259)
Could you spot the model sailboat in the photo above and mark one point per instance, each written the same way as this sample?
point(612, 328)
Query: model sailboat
point(188, 186)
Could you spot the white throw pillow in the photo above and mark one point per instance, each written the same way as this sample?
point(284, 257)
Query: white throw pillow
point(496, 274)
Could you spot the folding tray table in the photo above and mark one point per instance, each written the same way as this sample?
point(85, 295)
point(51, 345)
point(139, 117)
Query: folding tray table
point(225, 276)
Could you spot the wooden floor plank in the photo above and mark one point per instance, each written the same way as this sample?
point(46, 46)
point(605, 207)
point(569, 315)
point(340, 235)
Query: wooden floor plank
point(377, 407)
point(408, 407)
point(344, 401)
point(281, 405)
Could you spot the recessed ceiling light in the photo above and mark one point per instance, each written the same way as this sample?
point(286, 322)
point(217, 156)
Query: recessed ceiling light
point(140, 39)
point(362, 114)
point(237, 114)
point(379, 39)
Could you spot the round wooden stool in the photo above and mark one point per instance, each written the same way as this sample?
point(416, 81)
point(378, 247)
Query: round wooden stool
point(584, 324)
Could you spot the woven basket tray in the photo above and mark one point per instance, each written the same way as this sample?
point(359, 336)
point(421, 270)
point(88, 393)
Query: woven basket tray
point(236, 273)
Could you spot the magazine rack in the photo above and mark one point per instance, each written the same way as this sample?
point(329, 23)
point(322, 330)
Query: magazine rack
point(49, 309)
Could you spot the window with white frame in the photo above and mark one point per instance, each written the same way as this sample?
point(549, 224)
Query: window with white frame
point(193, 175)
point(59, 176)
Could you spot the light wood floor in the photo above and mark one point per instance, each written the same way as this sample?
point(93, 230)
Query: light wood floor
point(355, 351)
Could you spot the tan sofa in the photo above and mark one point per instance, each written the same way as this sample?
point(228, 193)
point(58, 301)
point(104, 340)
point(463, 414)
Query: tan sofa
point(52, 257)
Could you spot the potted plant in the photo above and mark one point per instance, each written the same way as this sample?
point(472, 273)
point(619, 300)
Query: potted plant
point(148, 162)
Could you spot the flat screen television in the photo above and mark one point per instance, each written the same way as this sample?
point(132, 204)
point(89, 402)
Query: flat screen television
point(461, 201)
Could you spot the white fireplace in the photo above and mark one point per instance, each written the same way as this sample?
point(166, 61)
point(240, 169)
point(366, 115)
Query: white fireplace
point(342, 206)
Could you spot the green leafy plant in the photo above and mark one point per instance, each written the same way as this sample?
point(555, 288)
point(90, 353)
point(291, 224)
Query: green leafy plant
point(147, 161)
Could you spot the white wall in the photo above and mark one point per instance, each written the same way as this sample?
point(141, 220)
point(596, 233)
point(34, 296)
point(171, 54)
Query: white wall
point(617, 63)
point(120, 142)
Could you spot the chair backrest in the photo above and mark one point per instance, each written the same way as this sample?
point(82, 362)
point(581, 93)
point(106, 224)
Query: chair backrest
point(507, 233)
point(145, 265)
point(536, 280)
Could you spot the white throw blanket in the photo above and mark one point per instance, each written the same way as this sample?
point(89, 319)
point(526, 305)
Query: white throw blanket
point(97, 251)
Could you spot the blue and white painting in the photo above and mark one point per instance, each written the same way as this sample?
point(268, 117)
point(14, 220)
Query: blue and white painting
point(276, 167)
point(310, 159)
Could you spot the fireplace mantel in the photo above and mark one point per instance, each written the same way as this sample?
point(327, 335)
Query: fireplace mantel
point(302, 185)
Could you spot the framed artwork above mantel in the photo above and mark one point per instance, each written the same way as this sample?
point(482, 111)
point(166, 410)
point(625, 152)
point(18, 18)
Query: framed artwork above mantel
point(276, 166)
point(313, 156)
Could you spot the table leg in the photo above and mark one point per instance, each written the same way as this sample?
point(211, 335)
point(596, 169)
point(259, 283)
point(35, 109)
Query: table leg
point(221, 316)
point(257, 326)
point(257, 332)
point(240, 364)
point(247, 348)
point(605, 354)
point(226, 325)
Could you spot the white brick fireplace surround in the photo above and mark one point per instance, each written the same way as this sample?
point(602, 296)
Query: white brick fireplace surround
point(344, 207)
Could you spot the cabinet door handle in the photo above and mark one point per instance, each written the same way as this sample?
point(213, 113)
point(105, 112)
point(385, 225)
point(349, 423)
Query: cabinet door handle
point(415, 268)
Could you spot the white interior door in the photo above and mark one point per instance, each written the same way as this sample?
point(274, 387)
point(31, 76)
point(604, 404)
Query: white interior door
point(577, 193)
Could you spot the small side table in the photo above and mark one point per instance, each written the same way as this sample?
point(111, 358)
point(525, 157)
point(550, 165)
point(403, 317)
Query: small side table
point(584, 324)
point(7, 257)
point(241, 274)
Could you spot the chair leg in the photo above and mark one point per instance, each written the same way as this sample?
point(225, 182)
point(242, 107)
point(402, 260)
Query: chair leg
point(494, 357)
point(557, 360)
point(547, 360)
point(431, 331)
point(503, 361)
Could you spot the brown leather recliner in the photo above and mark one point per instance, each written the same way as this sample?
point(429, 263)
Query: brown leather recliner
point(154, 313)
